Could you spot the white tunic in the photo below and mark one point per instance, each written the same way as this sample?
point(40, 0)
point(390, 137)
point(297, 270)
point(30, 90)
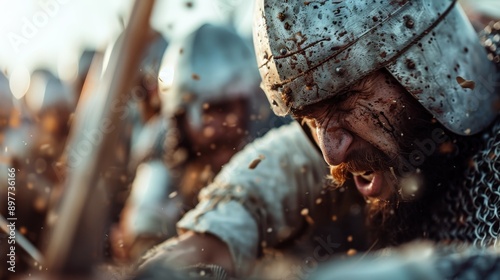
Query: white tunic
point(246, 207)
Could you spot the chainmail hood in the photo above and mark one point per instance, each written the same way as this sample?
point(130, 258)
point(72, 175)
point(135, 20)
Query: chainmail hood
point(470, 210)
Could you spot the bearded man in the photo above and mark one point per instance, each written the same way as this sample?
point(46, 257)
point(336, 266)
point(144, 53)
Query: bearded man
point(399, 104)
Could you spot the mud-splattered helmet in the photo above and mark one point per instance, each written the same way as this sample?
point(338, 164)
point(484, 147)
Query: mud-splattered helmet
point(309, 51)
point(211, 64)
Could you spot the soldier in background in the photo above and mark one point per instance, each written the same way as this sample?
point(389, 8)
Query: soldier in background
point(208, 86)
point(33, 143)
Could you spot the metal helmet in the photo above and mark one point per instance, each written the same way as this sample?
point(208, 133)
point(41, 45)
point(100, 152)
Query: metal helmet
point(211, 64)
point(150, 62)
point(311, 51)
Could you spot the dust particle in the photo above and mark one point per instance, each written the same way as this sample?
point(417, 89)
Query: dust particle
point(304, 212)
point(466, 83)
point(256, 162)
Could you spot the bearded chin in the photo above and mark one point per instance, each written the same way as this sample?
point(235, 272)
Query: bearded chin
point(403, 215)
point(391, 220)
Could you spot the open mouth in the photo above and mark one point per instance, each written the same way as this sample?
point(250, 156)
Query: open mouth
point(368, 183)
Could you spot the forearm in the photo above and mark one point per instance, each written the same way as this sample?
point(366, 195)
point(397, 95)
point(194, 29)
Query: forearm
point(231, 223)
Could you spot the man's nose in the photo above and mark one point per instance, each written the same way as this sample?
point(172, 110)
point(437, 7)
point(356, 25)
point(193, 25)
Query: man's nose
point(334, 142)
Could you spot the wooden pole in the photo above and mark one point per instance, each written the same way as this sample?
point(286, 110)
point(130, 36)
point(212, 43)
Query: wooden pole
point(97, 119)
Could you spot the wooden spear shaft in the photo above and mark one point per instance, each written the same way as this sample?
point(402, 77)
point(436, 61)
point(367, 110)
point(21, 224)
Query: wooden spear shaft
point(83, 176)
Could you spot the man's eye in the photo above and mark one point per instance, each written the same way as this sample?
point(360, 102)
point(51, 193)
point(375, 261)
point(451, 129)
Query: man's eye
point(341, 98)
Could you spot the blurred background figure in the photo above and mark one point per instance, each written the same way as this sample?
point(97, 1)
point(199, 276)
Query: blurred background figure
point(33, 142)
point(37, 111)
point(6, 108)
point(209, 87)
point(51, 104)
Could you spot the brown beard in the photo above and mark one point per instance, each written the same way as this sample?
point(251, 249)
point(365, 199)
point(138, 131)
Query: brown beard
point(400, 218)
point(361, 160)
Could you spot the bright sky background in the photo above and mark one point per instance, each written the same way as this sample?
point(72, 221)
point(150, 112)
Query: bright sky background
point(52, 33)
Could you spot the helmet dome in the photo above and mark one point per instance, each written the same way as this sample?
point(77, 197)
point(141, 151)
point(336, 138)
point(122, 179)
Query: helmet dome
point(209, 65)
point(312, 51)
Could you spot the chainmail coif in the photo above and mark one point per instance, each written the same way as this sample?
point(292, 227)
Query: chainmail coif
point(471, 207)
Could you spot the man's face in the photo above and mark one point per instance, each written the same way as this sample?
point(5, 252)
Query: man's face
point(365, 131)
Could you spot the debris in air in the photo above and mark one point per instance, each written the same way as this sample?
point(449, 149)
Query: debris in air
point(466, 83)
point(256, 162)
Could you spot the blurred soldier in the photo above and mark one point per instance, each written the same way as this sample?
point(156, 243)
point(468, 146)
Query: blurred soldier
point(6, 108)
point(51, 103)
point(207, 82)
point(33, 144)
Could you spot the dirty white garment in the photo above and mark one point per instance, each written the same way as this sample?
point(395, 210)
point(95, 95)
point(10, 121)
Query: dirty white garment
point(263, 206)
